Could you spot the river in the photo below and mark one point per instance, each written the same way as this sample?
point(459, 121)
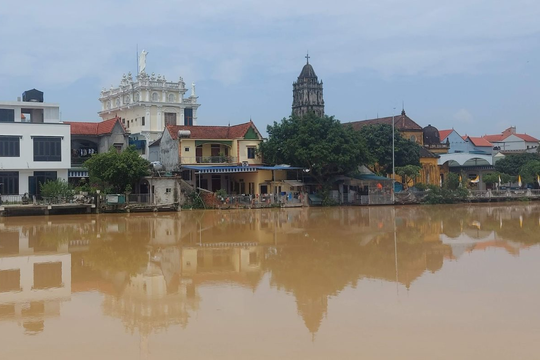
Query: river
point(415, 282)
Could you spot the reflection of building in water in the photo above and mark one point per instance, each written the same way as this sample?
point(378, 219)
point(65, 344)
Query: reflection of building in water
point(34, 278)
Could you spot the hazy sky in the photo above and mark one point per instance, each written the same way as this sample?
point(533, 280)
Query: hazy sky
point(471, 65)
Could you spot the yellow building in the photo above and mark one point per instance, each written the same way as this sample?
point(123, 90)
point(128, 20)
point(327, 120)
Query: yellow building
point(223, 158)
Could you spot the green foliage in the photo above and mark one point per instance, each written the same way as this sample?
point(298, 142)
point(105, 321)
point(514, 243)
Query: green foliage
point(490, 179)
point(512, 164)
point(55, 189)
point(420, 186)
point(322, 145)
point(529, 171)
point(193, 201)
point(408, 172)
point(437, 195)
point(378, 139)
point(113, 171)
point(451, 182)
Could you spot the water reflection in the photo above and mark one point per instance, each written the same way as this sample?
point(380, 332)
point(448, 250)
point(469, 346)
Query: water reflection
point(150, 269)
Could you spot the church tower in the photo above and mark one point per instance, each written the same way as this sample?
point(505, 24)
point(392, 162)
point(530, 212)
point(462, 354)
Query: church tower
point(308, 93)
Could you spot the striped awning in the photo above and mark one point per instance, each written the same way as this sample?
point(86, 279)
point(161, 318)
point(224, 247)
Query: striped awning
point(220, 169)
point(77, 173)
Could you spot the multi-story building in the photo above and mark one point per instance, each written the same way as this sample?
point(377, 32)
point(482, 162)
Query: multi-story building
point(147, 104)
point(34, 144)
point(511, 141)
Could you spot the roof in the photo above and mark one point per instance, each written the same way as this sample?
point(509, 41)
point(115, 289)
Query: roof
point(401, 122)
point(527, 138)
point(444, 134)
point(213, 132)
point(307, 72)
point(503, 136)
point(425, 153)
point(478, 141)
point(93, 128)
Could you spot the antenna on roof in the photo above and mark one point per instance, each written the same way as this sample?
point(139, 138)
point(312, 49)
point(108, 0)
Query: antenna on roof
point(402, 107)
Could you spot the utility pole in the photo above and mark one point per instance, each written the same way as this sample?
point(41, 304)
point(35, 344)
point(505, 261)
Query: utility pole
point(393, 157)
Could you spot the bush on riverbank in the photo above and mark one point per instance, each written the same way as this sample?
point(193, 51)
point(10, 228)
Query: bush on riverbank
point(437, 195)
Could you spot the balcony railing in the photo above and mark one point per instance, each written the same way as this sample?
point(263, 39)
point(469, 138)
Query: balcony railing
point(208, 160)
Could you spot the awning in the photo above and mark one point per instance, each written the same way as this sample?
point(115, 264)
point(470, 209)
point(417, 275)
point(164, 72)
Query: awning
point(77, 174)
point(222, 142)
point(220, 169)
point(294, 182)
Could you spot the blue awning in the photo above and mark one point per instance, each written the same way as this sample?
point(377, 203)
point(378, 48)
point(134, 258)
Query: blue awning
point(220, 169)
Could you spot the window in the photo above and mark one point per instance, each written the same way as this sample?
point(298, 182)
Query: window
point(9, 182)
point(10, 146)
point(186, 149)
point(155, 96)
point(170, 119)
point(142, 121)
point(188, 117)
point(413, 138)
point(171, 97)
point(47, 149)
point(251, 152)
point(168, 190)
point(7, 115)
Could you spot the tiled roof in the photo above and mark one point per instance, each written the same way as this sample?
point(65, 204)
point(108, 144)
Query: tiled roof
point(527, 138)
point(495, 138)
point(93, 128)
point(502, 137)
point(401, 122)
point(478, 141)
point(425, 153)
point(213, 132)
point(443, 134)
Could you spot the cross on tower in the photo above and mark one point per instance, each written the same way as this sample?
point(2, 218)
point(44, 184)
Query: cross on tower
point(307, 58)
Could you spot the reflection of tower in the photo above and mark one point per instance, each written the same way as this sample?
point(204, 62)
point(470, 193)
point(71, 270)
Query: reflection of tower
point(312, 310)
point(308, 93)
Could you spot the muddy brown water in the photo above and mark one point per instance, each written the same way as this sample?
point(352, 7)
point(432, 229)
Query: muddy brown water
point(426, 282)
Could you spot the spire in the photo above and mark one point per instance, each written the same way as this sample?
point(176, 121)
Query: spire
point(403, 107)
point(307, 57)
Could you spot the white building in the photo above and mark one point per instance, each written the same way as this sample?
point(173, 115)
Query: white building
point(147, 104)
point(34, 144)
point(511, 140)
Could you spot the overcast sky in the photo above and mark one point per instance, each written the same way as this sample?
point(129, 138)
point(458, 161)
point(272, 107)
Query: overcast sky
point(471, 65)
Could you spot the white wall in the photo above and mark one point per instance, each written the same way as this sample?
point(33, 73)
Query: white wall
point(26, 159)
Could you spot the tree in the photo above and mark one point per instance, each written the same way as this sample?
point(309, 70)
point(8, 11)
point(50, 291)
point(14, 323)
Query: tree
point(408, 172)
point(378, 139)
point(529, 171)
point(56, 188)
point(512, 164)
point(452, 181)
point(320, 144)
point(120, 171)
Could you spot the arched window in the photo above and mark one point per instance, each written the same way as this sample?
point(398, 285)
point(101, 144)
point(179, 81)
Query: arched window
point(137, 97)
point(171, 98)
point(413, 138)
point(155, 96)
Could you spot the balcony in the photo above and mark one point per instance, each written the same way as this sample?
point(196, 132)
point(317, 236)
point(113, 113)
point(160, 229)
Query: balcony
point(208, 160)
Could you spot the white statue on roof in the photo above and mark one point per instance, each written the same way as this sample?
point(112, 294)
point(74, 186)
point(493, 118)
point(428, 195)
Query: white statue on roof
point(142, 61)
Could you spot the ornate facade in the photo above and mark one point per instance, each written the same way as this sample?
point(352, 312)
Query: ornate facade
point(147, 104)
point(308, 93)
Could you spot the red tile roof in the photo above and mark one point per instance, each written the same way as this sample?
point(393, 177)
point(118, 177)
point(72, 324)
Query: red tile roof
point(443, 134)
point(213, 132)
point(401, 122)
point(527, 138)
point(478, 141)
point(93, 128)
point(503, 136)
point(495, 138)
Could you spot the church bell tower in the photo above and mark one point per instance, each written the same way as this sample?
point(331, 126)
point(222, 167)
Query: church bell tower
point(308, 92)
